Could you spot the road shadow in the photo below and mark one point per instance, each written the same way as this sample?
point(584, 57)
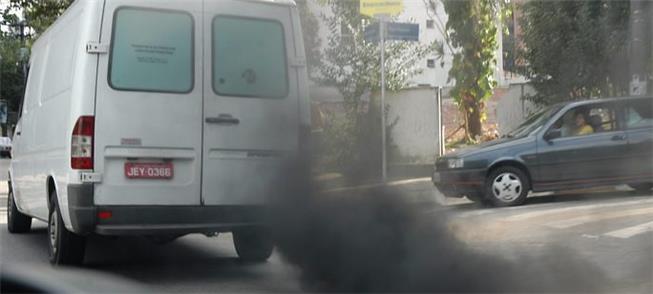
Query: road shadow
point(183, 262)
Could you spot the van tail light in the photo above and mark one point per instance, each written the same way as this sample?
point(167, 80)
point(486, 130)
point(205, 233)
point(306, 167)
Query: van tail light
point(81, 149)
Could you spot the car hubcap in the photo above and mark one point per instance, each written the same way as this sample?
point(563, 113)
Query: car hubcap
point(53, 231)
point(506, 187)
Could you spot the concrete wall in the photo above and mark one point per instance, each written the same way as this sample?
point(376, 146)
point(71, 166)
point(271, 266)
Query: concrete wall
point(510, 110)
point(415, 132)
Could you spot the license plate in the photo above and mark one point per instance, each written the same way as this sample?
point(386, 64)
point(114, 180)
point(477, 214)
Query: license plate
point(143, 170)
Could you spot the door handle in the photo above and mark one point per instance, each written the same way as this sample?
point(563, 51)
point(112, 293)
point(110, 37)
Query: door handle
point(18, 133)
point(618, 137)
point(223, 119)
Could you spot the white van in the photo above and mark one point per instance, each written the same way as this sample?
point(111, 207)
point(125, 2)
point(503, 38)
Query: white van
point(159, 118)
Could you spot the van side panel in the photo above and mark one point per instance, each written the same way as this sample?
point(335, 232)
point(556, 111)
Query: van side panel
point(51, 139)
point(60, 88)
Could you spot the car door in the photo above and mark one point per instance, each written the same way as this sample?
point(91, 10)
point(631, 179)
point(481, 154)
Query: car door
point(638, 121)
point(149, 104)
point(251, 103)
point(577, 160)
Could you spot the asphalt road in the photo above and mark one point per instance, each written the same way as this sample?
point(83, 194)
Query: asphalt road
point(612, 231)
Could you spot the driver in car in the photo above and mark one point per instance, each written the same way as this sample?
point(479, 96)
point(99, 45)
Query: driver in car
point(581, 125)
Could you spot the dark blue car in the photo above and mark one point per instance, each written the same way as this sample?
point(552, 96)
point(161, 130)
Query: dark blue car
point(566, 146)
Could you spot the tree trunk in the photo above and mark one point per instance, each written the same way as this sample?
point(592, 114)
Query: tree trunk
point(474, 126)
point(472, 110)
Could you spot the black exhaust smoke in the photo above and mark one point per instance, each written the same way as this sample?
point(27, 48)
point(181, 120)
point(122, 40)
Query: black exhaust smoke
point(374, 241)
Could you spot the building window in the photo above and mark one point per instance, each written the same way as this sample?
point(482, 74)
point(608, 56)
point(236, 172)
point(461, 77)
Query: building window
point(430, 24)
point(430, 63)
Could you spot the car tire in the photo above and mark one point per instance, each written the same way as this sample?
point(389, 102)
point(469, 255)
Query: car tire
point(64, 247)
point(253, 244)
point(507, 186)
point(17, 222)
point(642, 187)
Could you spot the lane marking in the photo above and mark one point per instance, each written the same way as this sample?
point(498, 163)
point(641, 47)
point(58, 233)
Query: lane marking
point(594, 217)
point(527, 215)
point(631, 231)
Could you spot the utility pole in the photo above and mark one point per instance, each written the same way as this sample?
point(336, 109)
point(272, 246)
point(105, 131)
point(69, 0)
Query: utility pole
point(384, 160)
point(640, 40)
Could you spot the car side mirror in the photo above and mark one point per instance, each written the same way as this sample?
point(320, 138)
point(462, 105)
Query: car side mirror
point(552, 134)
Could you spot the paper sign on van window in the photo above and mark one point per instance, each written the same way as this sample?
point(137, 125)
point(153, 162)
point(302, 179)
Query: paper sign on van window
point(152, 50)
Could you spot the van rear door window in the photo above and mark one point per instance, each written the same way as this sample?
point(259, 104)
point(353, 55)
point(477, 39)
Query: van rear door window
point(152, 50)
point(249, 58)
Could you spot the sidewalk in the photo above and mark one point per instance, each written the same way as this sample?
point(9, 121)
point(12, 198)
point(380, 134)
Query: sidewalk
point(416, 190)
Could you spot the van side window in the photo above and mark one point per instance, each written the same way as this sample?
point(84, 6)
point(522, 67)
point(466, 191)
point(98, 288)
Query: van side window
point(152, 50)
point(249, 58)
point(639, 114)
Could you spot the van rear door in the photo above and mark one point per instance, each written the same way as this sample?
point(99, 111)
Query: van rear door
point(148, 127)
point(251, 106)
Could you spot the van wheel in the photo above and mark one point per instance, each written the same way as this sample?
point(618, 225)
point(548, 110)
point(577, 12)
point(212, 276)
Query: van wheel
point(17, 222)
point(253, 244)
point(65, 247)
point(507, 186)
point(642, 187)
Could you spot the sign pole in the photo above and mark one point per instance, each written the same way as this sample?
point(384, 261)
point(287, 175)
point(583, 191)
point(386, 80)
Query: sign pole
point(384, 170)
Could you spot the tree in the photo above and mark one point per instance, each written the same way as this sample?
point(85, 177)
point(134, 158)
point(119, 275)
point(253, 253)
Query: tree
point(23, 21)
point(39, 14)
point(11, 71)
point(312, 42)
point(576, 49)
point(472, 29)
point(352, 66)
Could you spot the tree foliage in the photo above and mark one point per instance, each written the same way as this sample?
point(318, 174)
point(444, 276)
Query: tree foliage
point(472, 29)
point(38, 14)
point(352, 66)
point(311, 36)
point(576, 49)
point(35, 16)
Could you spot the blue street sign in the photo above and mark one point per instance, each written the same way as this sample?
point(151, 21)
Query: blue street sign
point(402, 31)
point(395, 31)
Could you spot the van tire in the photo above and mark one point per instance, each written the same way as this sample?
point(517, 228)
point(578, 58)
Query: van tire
point(511, 176)
point(253, 244)
point(17, 222)
point(64, 247)
point(642, 187)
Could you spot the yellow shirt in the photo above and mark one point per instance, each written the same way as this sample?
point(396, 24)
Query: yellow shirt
point(584, 130)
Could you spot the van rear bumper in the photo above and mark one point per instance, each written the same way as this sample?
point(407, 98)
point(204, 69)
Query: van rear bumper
point(153, 220)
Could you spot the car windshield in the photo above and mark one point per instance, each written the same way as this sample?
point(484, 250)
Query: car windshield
point(534, 122)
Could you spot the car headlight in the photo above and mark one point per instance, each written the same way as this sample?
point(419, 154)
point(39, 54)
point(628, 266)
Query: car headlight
point(456, 163)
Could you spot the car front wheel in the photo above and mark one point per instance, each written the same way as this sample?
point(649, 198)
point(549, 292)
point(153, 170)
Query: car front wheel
point(65, 247)
point(507, 186)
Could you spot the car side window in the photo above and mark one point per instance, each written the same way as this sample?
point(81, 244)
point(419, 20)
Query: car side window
point(587, 120)
point(639, 114)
